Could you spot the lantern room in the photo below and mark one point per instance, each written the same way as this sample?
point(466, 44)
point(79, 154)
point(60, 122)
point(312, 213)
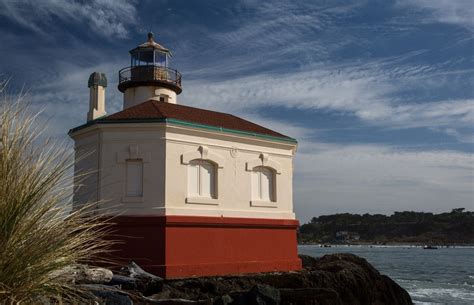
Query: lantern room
point(150, 53)
point(149, 77)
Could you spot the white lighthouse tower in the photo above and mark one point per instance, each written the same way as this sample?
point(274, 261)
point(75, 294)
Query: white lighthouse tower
point(195, 192)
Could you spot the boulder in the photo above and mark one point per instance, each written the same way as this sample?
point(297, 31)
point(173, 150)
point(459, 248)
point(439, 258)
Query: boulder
point(263, 295)
point(257, 295)
point(308, 262)
point(224, 300)
point(309, 296)
point(334, 279)
point(355, 281)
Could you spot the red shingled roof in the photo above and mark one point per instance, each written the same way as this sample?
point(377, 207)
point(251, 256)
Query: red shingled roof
point(161, 110)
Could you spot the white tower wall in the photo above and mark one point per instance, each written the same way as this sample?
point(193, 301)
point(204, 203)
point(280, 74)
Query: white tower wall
point(139, 94)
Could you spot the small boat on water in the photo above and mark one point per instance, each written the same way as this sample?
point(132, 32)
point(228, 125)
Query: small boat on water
point(429, 247)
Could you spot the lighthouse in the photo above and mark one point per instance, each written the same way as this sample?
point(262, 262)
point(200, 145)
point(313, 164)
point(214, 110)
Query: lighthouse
point(193, 192)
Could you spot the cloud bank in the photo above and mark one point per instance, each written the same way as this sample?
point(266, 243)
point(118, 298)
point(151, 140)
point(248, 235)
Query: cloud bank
point(109, 18)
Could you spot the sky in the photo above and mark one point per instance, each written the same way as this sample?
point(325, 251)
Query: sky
point(379, 94)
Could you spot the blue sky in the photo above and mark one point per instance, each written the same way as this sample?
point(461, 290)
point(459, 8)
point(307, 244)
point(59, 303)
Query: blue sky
point(378, 93)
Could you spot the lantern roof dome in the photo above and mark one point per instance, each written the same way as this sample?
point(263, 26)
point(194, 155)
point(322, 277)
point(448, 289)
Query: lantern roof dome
point(151, 43)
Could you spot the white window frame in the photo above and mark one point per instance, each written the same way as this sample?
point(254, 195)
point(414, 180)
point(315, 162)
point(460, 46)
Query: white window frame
point(265, 161)
point(203, 153)
point(258, 173)
point(200, 196)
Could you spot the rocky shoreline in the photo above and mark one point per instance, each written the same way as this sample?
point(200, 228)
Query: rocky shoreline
point(334, 279)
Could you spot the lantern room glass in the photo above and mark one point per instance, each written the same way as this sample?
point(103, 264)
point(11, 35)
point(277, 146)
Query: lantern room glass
point(149, 57)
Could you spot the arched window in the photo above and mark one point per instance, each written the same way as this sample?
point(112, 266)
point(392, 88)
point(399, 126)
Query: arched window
point(263, 184)
point(201, 179)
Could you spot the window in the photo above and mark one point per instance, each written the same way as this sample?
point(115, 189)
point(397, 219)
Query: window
point(201, 179)
point(134, 178)
point(164, 98)
point(263, 184)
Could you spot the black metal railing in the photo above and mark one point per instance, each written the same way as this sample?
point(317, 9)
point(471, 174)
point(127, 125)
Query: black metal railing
point(149, 74)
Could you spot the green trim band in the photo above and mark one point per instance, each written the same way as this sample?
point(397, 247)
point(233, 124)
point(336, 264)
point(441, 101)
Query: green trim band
point(246, 133)
point(189, 124)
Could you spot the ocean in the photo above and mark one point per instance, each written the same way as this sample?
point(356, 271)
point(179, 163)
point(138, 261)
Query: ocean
point(442, 276)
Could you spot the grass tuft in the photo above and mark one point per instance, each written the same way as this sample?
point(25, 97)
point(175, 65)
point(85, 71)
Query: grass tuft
point(39, 235)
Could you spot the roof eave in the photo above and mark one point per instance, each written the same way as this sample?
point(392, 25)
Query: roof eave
point(164, 50)
point(187, 124)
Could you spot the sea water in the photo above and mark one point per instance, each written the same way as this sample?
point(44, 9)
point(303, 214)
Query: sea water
point(440, 276)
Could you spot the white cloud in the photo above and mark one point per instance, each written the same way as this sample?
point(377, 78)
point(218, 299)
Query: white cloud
point(291, 130)
point(378, 179)
point(336, 89)
point(64, 98)
point(365, 91)
point(458, 12)
point(109, 18)
point(272, 34)
point(461, 137)
point(442, 113)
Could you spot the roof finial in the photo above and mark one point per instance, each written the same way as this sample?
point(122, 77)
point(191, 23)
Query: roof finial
point(150, 36)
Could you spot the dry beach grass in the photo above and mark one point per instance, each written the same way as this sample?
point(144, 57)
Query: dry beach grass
point(38, 235)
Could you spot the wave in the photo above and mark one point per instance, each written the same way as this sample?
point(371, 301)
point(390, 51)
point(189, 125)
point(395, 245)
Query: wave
point(429, 281)
point(438, 295)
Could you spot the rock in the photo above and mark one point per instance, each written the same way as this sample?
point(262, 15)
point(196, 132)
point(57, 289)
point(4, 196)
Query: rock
point(81, 274)
point(263, 295)
point(334, 279)
point(310, 296)
point(356, 281)
point(107, 294)
point(257, 295)
point(224, 300)
point(147, 283)
point(308, 262)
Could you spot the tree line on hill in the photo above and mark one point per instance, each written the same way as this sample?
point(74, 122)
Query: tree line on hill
point(455, 227)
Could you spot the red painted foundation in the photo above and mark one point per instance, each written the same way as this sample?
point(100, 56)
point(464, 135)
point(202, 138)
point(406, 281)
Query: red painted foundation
point(185, 246)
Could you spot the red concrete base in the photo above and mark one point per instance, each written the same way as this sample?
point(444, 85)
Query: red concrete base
point(185, 246)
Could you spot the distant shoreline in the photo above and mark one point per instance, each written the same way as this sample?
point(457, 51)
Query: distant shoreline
point(390, 244)
point(407, 228)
